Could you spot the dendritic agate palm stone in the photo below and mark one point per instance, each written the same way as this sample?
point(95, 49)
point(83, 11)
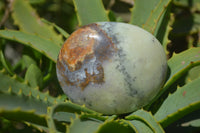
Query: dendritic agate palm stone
point(112, 68)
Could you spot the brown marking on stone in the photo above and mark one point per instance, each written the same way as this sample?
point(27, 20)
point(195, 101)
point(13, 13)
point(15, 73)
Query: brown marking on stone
point(77, 47)
point(104, 52)
point(61, 68)
point(59, 65)
point(95, 78)
point(83, 45)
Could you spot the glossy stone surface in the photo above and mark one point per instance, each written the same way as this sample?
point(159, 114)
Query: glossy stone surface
point(112, 68)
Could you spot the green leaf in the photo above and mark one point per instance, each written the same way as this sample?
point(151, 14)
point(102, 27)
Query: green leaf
point(19, 107)
point(163, 23)
point(28, 20)
point(164, 28)
point(26, 116)
point(178, 65)
point(144, 122)
point(146, 14)
point(44, 46)
point(17, 87)
point(115, 126)
point(62, 31)
point(195, 123)
point(94, 125)
point(186, 124)
point(34, 76)
point(90, 11)
point(15, 95)
point(185, 100)
point(50, 73)
point(11, 100)
point(69, 108)
point(193, 74)
point(25, 62)
point(83, 126)
point(72, 108)
point(64, 116)
point(5, 64)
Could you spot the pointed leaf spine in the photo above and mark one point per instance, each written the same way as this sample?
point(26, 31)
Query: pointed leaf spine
point(14, 76)
point(45, 99)
point(10, 90)
point(30, 94)
point(20, 92)
point(38, 97)
point(26, 82)
point(55, 101)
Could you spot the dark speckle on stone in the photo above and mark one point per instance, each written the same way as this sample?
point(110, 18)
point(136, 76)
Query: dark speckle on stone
point(114, 101)
point(84, 99)
point(121, 58)
point(71, 99)
point(89, 104)
point(141, 95)
point(133, 92)
point(153, 40)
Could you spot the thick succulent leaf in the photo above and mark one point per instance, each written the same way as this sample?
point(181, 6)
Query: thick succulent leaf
point(83, 125)
point(62, 31)
point(68, 108)
point(5, 64)
point(90, 11)
point(93, 125)
point(38, 121)
point(144, 122)
point(28, 109)
point(165, 39)
point(187, 124)
point(185, 100)
point(19, 107)
point(25, 62)
point(115, 126)
point(146, 14)
point(50, 74)
point(28, 20)
point(178, 65)
point(64, 116)
point(34, 76)
point(164, 28)
point(71, 108)
point(44, 46)
point(8, 82)
point(189, 127)
point(163, 23)
point(181, 63)
point(193, 74)
point(11, 100)
point(195, 123)
point(16, 95)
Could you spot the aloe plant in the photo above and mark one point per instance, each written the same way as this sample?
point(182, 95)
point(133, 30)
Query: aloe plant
point(31, 98)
